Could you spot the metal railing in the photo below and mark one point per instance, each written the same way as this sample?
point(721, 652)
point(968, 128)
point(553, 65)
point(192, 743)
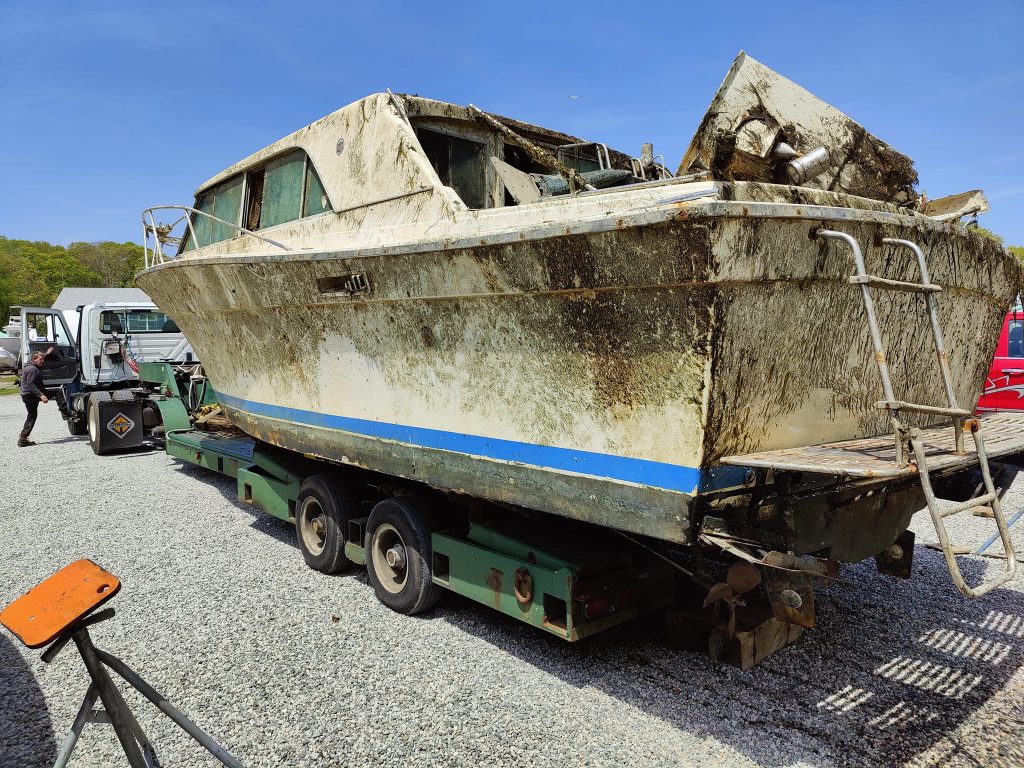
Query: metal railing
point(604, 161)
point(162, 234)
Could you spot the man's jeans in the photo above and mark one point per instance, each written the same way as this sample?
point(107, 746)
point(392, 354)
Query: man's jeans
point(32, 406)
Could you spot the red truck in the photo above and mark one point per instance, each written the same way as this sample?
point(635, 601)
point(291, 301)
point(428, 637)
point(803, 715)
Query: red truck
point(1004, 388)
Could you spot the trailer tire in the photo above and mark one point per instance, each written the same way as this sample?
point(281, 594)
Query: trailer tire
point(322, 511)
point(93, 422)
point(398, 555)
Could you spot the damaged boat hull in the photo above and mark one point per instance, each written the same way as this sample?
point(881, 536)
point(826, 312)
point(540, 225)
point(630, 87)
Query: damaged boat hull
point(594, 367)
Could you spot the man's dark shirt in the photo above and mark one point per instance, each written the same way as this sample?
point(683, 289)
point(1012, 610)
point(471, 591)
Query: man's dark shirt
point(32, 381)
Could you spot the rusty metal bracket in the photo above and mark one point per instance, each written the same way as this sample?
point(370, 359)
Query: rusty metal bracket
point(779, 561)
point(898, 557)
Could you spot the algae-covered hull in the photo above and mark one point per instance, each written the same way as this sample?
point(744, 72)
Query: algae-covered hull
point(595, 367)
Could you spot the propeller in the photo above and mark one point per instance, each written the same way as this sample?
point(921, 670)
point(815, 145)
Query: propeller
point(740, 579)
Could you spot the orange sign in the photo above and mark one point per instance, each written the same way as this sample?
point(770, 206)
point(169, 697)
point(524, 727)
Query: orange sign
point(120, 425)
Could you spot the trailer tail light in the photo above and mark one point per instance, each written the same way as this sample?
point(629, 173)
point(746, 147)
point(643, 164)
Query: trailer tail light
point(593, 607)
point(628, 595)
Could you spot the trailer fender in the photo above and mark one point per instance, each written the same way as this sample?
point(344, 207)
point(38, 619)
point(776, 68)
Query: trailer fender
point(173, 413)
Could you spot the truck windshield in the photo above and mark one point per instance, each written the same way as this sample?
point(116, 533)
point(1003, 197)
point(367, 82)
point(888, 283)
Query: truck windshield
point(136, 321)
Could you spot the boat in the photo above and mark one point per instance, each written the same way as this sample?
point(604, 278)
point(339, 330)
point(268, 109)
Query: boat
point(507, 312)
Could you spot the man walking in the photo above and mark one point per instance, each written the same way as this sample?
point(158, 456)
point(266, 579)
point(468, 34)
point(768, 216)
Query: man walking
point(33, 392)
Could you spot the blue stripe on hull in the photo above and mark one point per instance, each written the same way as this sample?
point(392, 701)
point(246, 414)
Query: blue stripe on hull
point(658, 474)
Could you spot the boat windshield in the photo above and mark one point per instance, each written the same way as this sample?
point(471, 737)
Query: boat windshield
point(283, 189)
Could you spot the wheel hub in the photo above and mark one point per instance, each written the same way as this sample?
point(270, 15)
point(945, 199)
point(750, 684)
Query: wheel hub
point(388, 558)
point(396, 556)
point(312, 524)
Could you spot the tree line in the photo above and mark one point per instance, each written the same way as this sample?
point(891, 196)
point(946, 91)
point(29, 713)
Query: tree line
point(32, 273)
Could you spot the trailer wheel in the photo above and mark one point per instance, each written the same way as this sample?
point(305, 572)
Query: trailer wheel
point(93, 419)
point(322, 511)
point(398, 553)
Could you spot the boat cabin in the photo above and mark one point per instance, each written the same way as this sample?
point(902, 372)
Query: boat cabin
point(474, 159)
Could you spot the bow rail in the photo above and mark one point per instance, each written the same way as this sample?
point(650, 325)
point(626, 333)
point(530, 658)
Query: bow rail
point(163, 233)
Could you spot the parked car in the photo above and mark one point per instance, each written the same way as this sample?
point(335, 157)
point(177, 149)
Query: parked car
point(8, 362)
point(1004, 388)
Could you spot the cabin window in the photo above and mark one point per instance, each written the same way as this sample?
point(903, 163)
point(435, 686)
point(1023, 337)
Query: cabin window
point(314, 197)
point(282, 189)
point(459, 164)
point(223, 201)
point(285, 189)
point(1015, 339)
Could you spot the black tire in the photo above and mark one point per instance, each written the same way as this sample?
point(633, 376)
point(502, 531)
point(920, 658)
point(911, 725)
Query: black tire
point(93, 426)
point(403, 585)
point(322, 511)
point(77, 425)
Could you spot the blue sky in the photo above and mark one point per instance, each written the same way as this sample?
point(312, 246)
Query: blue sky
point(106, 108)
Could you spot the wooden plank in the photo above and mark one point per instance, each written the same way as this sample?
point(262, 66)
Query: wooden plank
point(876, 456)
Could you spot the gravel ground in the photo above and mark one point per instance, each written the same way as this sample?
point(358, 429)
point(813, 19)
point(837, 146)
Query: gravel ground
point(287, 667)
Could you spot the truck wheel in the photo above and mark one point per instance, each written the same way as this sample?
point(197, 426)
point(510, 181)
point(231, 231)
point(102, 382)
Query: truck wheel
point(398, 554)
point(93, 419)
point(322, 511)
point(77, 426)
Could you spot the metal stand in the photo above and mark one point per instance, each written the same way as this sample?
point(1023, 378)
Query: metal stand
point(137, 747)
point(59, 610)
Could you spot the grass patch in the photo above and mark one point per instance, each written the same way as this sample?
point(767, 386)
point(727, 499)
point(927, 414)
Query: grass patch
point(7, 385)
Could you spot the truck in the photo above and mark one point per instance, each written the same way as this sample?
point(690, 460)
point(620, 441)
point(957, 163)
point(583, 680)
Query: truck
point(1004, 386)
point(93, 355)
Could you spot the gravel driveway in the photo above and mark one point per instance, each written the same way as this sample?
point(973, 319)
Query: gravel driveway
point(288, 667)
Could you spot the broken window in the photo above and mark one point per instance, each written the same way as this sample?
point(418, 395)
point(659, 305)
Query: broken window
point(283, 190)
point(459, 163)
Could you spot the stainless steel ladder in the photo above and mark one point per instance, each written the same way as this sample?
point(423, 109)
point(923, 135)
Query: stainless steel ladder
point(908, 439)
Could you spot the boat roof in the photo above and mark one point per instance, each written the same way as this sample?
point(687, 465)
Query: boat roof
point(415, 106)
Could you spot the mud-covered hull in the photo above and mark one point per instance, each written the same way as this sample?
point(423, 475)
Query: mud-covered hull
point(596, 370)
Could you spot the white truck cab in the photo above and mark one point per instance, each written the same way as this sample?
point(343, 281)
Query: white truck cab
point(105, 348)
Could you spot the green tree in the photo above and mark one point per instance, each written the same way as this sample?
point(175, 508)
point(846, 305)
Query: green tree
point(115, 264)
point(33, 273)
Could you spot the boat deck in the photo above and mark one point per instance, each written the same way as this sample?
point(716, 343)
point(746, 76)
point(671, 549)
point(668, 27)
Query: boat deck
point(876, 456)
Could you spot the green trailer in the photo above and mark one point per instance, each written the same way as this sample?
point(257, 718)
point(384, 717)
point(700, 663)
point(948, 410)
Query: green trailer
point(563, 579)
point(566, 578)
